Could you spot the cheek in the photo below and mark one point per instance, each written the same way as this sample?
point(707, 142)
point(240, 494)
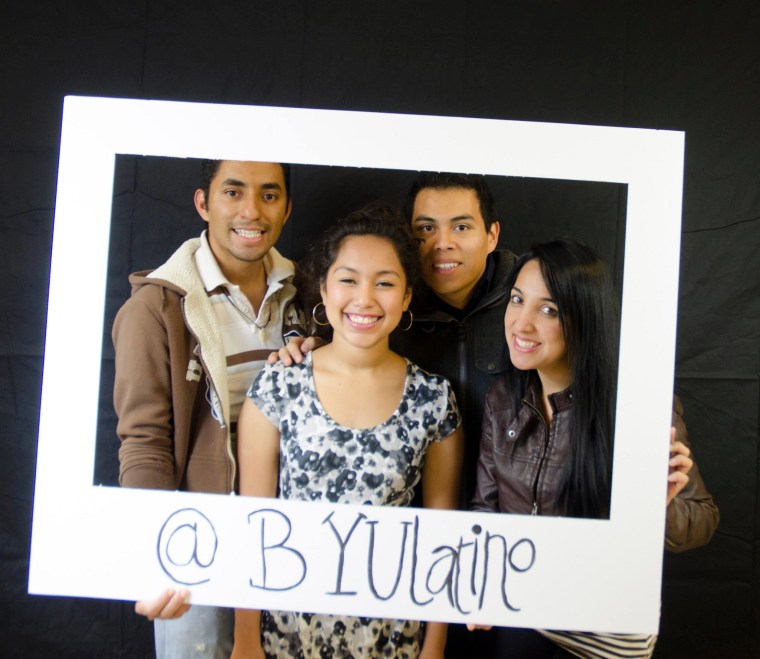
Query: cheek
point(559, 340)
point(275, 212)
point(424, 244)
point(394, 304)
point(333, 307)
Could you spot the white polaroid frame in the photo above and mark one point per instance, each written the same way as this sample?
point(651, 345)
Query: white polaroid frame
point(555, 573)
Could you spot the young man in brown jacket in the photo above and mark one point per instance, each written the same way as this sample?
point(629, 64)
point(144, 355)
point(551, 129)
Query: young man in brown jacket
point(189, 341)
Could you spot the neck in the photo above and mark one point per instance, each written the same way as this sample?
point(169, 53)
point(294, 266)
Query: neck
point(553, 382)
point(459, 300)
point(351, 358)
point(251, 278)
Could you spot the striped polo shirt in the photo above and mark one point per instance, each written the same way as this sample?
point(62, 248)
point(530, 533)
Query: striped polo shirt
point(248, 339)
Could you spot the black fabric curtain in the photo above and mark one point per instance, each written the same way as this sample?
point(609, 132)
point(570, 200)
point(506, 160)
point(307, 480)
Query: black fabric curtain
point(692, 66)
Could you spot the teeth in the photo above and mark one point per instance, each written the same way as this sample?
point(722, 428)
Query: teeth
point(522, 343)
point(362, 320)
point(444, 266)
point(245, 233)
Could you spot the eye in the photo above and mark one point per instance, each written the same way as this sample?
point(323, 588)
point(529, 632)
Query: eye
point(423, 228)
point(385, 284)
point(515, 299)
point(232, 193)
point(461, 227)
point(549, 311)
point(346, 280)
point(270, 196)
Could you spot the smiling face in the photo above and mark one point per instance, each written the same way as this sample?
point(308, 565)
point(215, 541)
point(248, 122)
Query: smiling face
point(533, 330)
point(365, 291)
point(246, 208)
point(453, 241)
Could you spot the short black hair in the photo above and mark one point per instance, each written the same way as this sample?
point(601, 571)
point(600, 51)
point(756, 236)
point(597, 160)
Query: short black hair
point(209, 168)
point(443, 180)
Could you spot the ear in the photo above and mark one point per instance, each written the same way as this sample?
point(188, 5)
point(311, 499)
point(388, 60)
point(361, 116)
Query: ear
point(493, 236)
point(322, 292)
point(200, 204)
point(407, 298)
point(289, 211)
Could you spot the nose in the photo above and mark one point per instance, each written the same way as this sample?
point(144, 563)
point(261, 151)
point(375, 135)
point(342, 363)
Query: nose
point(444, 239)
point(518, 319)
point(249, 209)
point(364, 294)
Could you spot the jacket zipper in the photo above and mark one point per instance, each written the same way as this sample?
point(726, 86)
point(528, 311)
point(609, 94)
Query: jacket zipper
point(462, 349)
point(225, 425)
point(534, 509)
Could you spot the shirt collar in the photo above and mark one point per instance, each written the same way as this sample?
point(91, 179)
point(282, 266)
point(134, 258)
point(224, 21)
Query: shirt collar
point(208, 269)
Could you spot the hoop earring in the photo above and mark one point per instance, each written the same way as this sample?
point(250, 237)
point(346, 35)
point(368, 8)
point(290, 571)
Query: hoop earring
point(314, 315)
point(411, 320)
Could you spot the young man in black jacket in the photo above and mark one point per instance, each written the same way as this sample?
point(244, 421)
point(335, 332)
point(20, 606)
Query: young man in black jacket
point(458, 327)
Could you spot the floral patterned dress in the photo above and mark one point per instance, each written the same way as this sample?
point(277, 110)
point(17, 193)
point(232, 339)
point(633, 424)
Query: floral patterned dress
point(322, 460)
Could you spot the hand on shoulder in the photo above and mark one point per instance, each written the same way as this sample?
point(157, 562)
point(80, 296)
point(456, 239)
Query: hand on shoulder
point(294, 350)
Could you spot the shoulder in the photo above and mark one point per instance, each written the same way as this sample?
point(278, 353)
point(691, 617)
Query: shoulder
point(278, 377)
point(420, 375)
point(427, 387)
point(504, 260)
point(499, 395)
point(147, 304)
point(277, 372)
point(179, 270)
point(173, 279)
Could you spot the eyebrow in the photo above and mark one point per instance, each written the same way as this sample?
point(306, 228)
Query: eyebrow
point(458, 218)
point(381, 272)
point(545, 299)
point(240, 184)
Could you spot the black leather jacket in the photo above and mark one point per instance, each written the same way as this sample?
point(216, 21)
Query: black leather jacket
point(526, 480)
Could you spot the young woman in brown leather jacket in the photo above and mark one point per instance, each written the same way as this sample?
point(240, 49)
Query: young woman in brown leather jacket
point(547, 438)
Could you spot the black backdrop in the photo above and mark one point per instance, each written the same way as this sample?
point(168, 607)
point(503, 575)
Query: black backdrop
point(691, 66)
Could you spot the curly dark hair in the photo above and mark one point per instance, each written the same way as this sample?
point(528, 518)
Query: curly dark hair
point(378, 219)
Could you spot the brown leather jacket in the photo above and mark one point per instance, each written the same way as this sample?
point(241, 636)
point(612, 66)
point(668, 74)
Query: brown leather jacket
point(526, 480)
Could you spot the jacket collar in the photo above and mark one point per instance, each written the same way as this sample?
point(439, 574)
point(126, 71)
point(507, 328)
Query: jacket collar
point(426, 305)
point(559, 401)
point(278, 269)
point(180, 272)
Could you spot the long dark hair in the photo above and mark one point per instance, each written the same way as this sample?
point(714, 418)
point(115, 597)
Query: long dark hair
point(580, 284)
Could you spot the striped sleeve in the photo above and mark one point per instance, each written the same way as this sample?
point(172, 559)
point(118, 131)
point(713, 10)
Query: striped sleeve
point(597, 645)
